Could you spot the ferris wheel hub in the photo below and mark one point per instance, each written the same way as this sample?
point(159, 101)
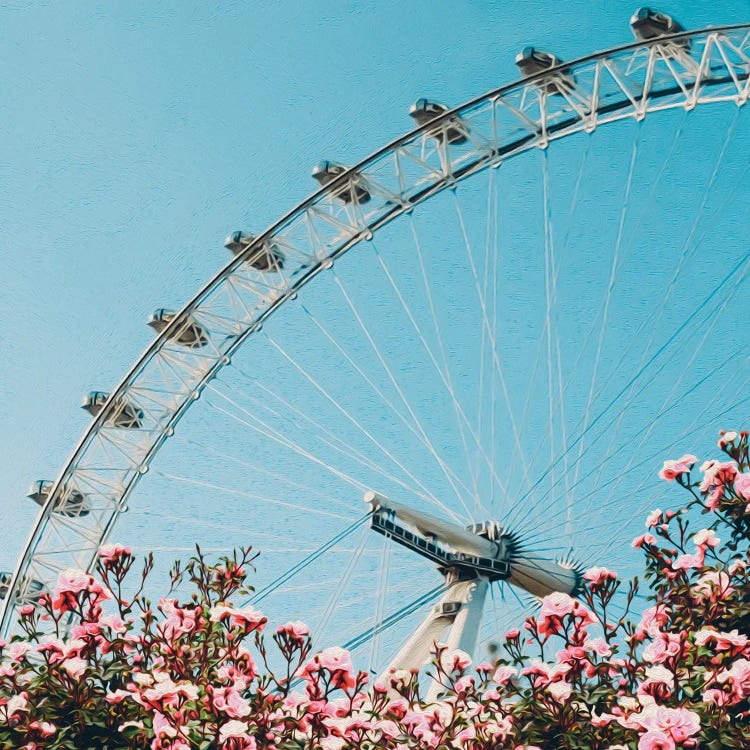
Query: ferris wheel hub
point(483, 550)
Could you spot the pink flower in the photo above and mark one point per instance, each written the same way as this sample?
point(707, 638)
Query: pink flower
point(13, 705)
point(706, 538)
point(560, 691)
point(504, 673)
point(180, 620)
point(230, 702)
point(543, 673)
point(715, 476)
point(245, 618)
point(296, 631)
point(673, 469)
point(75, 667)
point(685, 562)
point(337, 662)
point(653, 519)
point(742, 485)
point(597, 576)
point(117, 696)
point(73, 582)
point(557, 605)
point(16, 651)
point(724, 641)
point(652, 619)
point(677, 723)
point(713, 585)
point(655, 740)
point(45, 728)
point(726, 438)
point(109, 553)
point(453, 660)
point(165, 692)
point(665, 646)
point(639, 541)
point(716, 697)
point(237, 730)
point(738, 676)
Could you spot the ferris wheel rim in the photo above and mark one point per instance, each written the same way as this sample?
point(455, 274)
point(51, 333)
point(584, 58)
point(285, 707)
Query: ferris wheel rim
point(161, 341)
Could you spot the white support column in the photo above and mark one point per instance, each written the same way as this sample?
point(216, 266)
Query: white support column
point(459, 611)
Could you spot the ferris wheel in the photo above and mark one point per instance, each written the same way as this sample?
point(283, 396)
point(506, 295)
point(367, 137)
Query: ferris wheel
point(491, 330)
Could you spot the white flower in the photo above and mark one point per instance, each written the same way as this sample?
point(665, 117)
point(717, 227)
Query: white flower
point(233, 730)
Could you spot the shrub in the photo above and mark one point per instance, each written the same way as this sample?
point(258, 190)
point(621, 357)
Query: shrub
point(94, 669)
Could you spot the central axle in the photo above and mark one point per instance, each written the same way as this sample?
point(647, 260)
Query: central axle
point(469, 558)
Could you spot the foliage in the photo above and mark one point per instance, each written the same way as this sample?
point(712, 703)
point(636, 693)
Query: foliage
point(197, 674)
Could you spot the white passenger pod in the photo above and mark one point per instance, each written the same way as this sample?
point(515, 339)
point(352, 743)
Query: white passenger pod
point(265, 257)
point(121, 413)
point(531, 61)
point(30, 590)
point(452, 130)
point(188, 333)
point(351, 191)
point(648, 24)
point(68, 501)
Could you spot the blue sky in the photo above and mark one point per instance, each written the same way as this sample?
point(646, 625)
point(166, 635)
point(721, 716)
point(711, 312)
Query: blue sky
point(135, 137)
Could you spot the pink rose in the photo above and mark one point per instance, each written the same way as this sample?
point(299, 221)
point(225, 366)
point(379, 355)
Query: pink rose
point(742, 485)
point(597, 576)
point(706, 538)
point(639, 541)
point(655, 740)
point(673, 469)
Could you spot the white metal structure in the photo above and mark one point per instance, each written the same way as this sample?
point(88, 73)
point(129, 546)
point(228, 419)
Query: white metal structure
point(130, 425)
point(469, 560)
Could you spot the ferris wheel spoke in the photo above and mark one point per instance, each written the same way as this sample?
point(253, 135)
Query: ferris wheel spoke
point(554, 360)
point(734, 270)
point(260, 469)
point(279, 583)
point(603, 506)
point(362, 373)
point(380, 603)
point(267, 431)
point(252, 496)
point(335, 443)
point(461, 419)
point(609, 293)
point(386, 452)
point(223, 526)
point(688, 249)
point(338, 591)
point(487, 327)
point(571, 214)
point(675, 394)
point(703, 419)
point(489, 246)
point(427, 442)
point(699, 423)
point(443, 376)
point(443, 373)
point(463, 422)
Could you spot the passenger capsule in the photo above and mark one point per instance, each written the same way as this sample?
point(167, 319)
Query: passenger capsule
point(648, 24)
point(454, 129)
point(265, 257)
point(531, 61)
point(189, 334)
point(30, 591)
point(352, 191)
point(122, 413)
point(70, 503)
